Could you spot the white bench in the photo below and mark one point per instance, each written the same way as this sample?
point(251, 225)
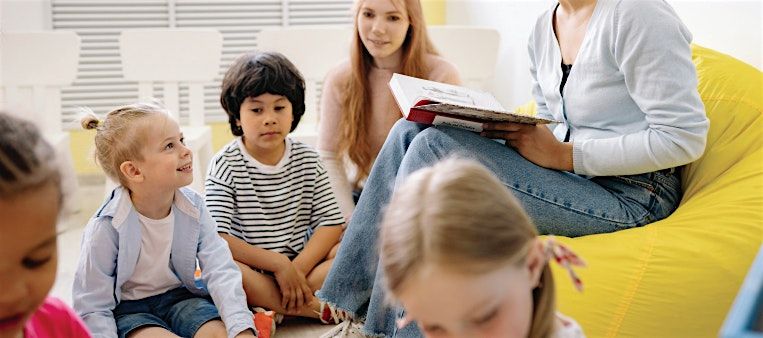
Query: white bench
point(35, 66)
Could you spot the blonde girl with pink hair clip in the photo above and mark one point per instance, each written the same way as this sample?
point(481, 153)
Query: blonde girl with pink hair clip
point(463, 259)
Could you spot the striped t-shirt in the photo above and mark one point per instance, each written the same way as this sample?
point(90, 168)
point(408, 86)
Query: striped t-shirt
point(273, 207)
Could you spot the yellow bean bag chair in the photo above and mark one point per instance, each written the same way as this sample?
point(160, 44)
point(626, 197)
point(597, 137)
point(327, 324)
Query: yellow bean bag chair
point(678, 277)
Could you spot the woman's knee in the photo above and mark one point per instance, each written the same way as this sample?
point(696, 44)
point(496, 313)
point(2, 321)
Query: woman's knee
point(443, 141)
point(404, 131)
point(431, 143)
point(404, 126)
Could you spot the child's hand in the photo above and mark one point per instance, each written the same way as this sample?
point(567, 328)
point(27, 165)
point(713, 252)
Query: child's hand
point(294, 290)
point(303, 284)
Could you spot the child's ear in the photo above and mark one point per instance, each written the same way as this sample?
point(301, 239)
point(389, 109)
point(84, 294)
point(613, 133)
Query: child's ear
point(131, 172)
point(536, 262)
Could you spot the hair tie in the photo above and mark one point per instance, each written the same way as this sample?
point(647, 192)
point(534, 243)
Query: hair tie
point(566, 258)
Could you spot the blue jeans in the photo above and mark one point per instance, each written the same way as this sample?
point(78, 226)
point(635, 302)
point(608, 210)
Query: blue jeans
point(560, 203)
point(178, 311)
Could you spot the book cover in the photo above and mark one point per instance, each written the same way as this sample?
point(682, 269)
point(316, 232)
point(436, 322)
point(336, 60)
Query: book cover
point(431, 102)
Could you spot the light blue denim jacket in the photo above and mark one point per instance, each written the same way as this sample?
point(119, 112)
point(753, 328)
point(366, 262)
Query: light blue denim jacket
point(109, 253)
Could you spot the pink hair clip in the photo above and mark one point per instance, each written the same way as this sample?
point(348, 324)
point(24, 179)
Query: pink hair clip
point(566, 258)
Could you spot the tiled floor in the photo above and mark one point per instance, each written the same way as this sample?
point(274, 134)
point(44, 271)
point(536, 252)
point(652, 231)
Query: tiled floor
point(87, 199)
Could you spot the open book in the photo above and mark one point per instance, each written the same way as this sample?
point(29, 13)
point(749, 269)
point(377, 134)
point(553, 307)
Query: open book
point(431, 102)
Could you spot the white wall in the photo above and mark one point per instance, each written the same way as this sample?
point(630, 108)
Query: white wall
point(25, 15)
point(734, 27)
point(514, 20)
point(730, 26)
point(2, 91)
point(22, 15)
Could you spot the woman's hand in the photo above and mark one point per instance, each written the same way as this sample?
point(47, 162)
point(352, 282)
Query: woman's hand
point(294, 289)
point(536, 143)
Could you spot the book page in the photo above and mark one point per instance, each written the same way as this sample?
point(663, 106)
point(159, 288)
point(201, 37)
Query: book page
point(444, 93)
point(407, 91)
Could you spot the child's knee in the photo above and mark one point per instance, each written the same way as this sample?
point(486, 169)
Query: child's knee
point(333, 251)
point(213, 329)
point(315, 285)
point(247, 276)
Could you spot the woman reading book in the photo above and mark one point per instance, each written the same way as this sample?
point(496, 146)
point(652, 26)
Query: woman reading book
point(357, 109)
point(619, 75)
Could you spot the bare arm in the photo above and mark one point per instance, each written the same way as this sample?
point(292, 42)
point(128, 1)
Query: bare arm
point(253, 256)
point(317, 248)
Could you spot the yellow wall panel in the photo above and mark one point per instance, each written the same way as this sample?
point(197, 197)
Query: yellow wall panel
point(434, 11)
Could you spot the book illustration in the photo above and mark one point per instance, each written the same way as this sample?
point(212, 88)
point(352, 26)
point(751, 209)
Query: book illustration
point(448, 95)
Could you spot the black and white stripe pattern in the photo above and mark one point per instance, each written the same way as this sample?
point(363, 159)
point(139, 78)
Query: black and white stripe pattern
point(274, 208)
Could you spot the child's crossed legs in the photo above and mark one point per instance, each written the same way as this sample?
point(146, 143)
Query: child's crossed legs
point(174, 313)
point(263, 290)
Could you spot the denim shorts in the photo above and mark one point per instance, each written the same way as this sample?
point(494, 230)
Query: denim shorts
point(177, 310)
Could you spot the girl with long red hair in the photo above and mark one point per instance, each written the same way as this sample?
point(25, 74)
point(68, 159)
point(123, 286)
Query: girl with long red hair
point(357, 109)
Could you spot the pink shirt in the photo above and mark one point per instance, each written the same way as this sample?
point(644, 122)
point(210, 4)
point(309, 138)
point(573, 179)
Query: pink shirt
point(384, 110)
point(383, 115)
point(54, 319)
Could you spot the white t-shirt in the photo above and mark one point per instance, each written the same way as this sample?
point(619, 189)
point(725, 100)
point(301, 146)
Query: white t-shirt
point(153, 275)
